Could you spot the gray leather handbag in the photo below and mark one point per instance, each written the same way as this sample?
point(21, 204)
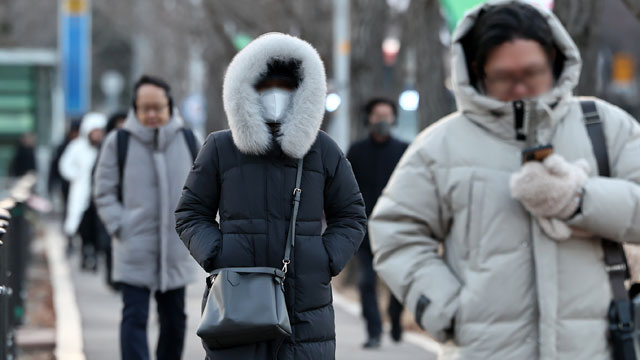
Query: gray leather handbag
point(246, 305)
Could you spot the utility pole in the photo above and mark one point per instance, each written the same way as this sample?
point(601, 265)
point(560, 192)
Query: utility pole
point(339, 128)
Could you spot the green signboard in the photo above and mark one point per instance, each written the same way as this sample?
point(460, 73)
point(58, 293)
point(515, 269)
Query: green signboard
point(18, 108)
point(454, 10)
point(241, 40)
point(17, 100)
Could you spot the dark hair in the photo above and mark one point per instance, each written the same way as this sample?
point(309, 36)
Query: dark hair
point(155, 81)
point(283, 70)
point(75, 124)
point(504, 23)
point(113, 119)
point(372, 103)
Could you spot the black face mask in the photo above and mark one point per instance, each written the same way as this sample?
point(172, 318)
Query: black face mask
point(382, 128)
point(274, 129)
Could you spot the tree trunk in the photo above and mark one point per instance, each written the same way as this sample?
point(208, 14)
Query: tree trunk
point(218, 54)
point(580, 19)
point(422, 33)
point(634, 6)
point(216, 118)
point(368, 25)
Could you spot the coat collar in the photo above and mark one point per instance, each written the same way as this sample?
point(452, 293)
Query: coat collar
point(159, 138)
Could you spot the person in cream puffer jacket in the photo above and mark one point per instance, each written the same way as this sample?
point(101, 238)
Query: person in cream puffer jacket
point(502, 258)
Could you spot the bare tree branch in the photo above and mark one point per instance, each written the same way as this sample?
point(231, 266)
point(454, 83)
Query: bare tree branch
point(634, 6)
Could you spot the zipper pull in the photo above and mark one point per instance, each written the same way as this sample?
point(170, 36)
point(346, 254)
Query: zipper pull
point(519, 112)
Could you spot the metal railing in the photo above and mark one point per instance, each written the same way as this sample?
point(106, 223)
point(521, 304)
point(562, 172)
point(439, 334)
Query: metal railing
point(15, 239)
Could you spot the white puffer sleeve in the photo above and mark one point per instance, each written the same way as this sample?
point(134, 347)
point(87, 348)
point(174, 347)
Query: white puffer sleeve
point(405, 229)
point(611, 206)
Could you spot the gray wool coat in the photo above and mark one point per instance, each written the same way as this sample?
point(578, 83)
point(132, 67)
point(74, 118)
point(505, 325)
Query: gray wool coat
point(146, 249)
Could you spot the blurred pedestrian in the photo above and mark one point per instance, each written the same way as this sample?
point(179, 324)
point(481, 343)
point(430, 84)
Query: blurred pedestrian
point(56, 182)
point(76, 166)
point(504, 257)
point(116, 121)
point(373, 160)
point(24, 158)
point(274, 93)
point(140, 172)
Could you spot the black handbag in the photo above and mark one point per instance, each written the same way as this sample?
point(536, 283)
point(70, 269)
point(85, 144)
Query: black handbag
point(246, 305)
point(623, 329)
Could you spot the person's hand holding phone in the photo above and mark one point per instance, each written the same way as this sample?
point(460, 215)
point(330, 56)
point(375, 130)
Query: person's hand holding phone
point(538, 153)
point(551, 188)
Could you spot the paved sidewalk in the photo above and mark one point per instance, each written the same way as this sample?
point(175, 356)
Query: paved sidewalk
point(100, 309)
point(350, 335)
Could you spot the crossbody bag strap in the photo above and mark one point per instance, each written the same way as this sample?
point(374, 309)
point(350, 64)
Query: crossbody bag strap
point(291, 239)
point(615, 261)
point(250, 270)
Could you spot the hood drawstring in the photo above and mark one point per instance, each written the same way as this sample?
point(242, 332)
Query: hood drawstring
point(527, 120)
point(156, 133)
point(549, 113)
point(547, 109)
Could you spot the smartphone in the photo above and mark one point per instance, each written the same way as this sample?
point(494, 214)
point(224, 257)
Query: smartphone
point(538, 153)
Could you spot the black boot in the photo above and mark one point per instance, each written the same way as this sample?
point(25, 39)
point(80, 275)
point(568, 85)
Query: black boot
point(372, 343)
point(395, 313)
point(396, 332)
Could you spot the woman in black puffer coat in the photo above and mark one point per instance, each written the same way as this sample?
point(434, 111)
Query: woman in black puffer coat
point(247, 175)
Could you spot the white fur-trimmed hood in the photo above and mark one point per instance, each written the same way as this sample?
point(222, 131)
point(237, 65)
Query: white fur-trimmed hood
point(241, 100)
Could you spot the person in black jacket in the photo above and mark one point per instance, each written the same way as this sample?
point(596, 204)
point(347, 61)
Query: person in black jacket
point(24, 158)
point(373, 160)
point(56, 181)
point(274, 92)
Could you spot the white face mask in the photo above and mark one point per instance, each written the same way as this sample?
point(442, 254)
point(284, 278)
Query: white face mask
point(275, 102)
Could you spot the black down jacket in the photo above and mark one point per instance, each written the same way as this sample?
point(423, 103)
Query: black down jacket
point(253, 194)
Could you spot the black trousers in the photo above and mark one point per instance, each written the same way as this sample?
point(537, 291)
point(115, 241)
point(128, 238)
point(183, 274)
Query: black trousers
point(104, 246)
point(88, 231)
point(368, 295)
point(135, 314)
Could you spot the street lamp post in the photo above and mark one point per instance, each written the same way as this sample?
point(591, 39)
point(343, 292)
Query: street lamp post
point(339, 127)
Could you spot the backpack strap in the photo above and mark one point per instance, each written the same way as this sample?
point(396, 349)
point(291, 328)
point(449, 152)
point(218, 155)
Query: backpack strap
point(123, 147)
point(614, 258)
point(621, 318)
point(190, 138)
point(596, 134)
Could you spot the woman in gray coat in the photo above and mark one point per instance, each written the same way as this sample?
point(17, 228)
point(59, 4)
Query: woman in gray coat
point(148, 257)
